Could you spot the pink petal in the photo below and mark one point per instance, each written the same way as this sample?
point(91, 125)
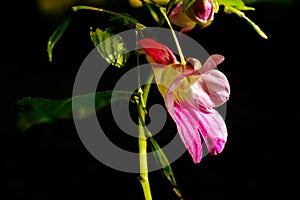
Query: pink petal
point(180, 19)
point(190, 121)
point(218, 87)
point(213, 83)
point(212, 128)
point(157, 53)
point(187, 127)
point(212, 62)
point(209, 90)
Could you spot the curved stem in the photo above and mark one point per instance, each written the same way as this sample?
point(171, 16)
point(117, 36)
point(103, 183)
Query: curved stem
point(137, 24)
point(182, 61)
point(242, 15)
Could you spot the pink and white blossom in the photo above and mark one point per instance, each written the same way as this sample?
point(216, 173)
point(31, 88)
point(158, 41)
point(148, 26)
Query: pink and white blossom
point(191, 93)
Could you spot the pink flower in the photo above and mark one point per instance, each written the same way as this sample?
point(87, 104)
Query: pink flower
point(191, 93)
point(201, 13)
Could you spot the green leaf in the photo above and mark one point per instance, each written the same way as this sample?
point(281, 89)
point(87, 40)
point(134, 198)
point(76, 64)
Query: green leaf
point(126, 20)
point(56, 35)
point(35, 111)
point(163, 161)
point(238, 4)
point(235, 3)
point(148, 6)
point(111, 47)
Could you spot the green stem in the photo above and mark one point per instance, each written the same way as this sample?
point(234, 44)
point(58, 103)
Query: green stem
point(147, 88)
point(141, 108)
point(143, 155)
point(138, 25)
point(182, 61)
point(252, 24)
point(168, 9)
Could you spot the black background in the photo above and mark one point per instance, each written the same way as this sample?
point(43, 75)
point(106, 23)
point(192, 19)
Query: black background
point(260, 158)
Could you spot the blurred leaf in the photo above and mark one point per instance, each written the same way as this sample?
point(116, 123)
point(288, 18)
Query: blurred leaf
point(151, 10)
point(238, 4)
point(35, 111)
point(163, 161)
point(111, 47)
point(235, 3)
point(187, 4)
point(56, 35)
point(126, 20)
point(216, 6)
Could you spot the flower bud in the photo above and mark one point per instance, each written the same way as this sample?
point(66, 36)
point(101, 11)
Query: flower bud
point(201, 12)
point(180, 19)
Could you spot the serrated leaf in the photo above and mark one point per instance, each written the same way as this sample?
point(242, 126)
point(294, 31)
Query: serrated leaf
point(35, 111)
point(163, 161)
point(56, 35)
point(111, 47)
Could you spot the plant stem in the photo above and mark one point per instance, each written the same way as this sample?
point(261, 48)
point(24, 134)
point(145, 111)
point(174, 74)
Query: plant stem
point(141, 108)
point(147, 88)
point(168, 8)
point(182, 61)
point(143, 154)
point(252, 24)
point(137, 24)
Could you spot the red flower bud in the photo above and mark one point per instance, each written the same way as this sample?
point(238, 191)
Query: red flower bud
point(201, 12)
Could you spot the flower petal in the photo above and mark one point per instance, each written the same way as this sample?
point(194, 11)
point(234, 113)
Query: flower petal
point(190, 121)
point(187, 127)
point(164, 77)
point(212, 128)
point(212, 62)
point(218, 87)
point(205, 87)
point(201, 12)
point(157, 54)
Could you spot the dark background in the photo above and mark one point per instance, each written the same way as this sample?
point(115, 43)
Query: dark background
point(50, 162)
